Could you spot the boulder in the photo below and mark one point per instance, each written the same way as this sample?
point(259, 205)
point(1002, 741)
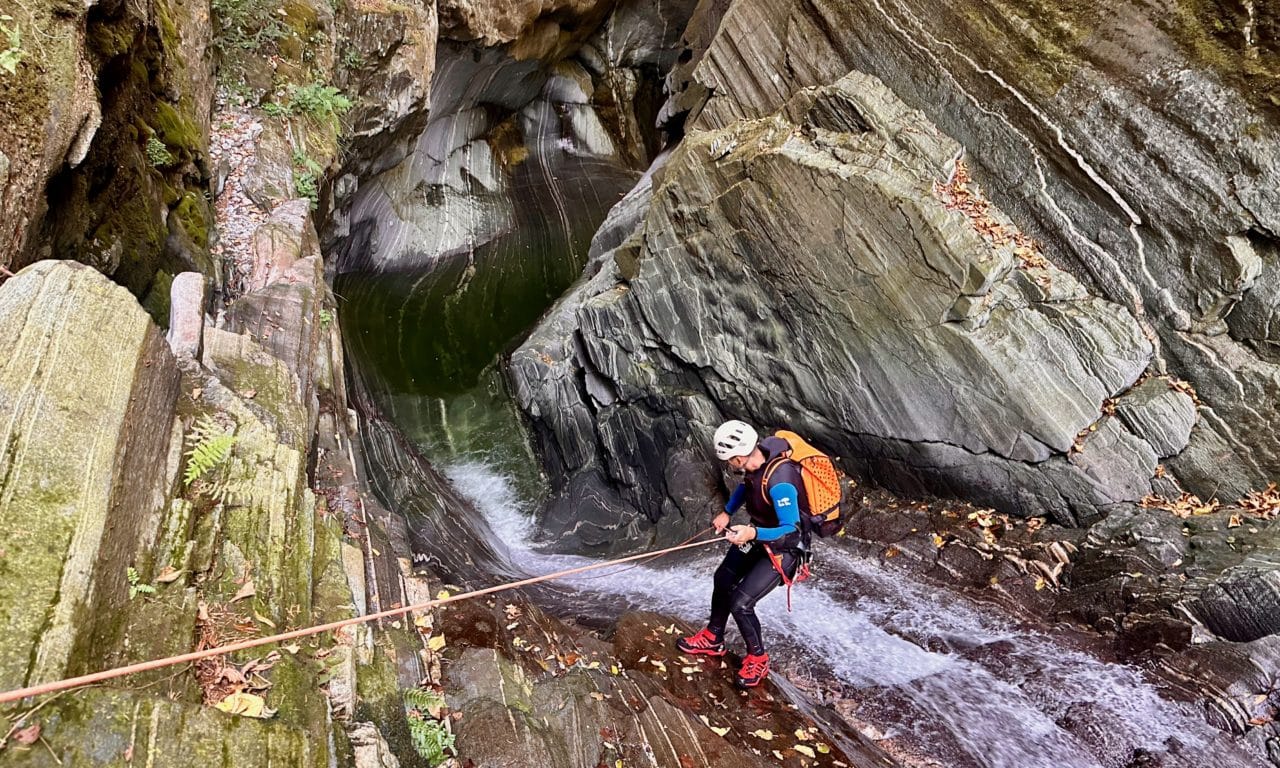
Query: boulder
point(86, 436)
point(807, 269)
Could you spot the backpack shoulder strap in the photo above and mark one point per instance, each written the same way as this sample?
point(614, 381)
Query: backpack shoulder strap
point(769, 469)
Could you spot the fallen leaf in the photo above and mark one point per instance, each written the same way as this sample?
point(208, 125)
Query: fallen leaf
point(293, 648)
point(806, 751)
point(246, 705)
point(824, 749)
point(246, 591)
point(597, 695)
point(250, 393)
point(264, 620)
point(168, 575)
point(658, 664)
point(688, 670)
point(436, 642)
point(763, 734)
point(28, 735)
point(442, 594)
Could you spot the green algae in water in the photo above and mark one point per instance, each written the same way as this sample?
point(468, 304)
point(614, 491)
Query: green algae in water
point(432, 333)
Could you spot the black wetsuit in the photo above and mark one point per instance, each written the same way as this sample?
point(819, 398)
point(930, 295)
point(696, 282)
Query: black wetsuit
point(745, 577)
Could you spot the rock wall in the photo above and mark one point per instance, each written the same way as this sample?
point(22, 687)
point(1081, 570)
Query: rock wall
point(512, 133)
point(79, 500)
point(1139, 169)
point(810, 268)
point(1139, 147)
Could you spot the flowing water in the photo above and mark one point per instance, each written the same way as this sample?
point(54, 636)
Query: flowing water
point(950, 679)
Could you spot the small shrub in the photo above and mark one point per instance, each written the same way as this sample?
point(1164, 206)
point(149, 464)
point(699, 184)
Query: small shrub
point(429, 732)
point(245, 25)
point(352, 58)
point(321, 102)
point(326, 318)
point(305, 182)
point(275, 110)
point(13, 54)
point(158, 154)
point(301, 160)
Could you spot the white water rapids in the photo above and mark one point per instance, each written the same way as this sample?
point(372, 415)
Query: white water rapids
point(953, 679)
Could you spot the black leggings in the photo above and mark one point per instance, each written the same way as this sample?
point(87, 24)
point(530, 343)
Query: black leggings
point(741, 580)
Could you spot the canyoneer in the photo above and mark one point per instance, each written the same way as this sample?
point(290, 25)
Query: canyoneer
point(763, 554)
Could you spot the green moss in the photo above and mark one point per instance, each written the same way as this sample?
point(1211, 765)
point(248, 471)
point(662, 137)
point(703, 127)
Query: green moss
point(178, 131)
point(156, 302)
point(1223, 37)
point(191, 212)
point(506, 141)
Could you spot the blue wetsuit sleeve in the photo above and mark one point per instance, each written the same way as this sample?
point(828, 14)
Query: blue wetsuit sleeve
point(738, 496)
point(786, 502)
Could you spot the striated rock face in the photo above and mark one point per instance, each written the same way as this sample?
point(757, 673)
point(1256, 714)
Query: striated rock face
point(804, 269)
point(1138, 144)
point(86, 424)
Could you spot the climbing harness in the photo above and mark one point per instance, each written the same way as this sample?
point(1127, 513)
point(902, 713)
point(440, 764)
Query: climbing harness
point(111, 674)
point(802, 570)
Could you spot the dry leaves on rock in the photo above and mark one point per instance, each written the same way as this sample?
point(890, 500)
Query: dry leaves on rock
point(1264, 504)
point(1186, 505)
point(246, 705)
point(956, 195)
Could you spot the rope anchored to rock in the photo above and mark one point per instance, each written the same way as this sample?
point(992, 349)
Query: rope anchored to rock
point(111, 674)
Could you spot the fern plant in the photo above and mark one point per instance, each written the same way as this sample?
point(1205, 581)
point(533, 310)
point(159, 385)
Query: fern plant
point(136, 587)
point(211, 446)
point(431, 736)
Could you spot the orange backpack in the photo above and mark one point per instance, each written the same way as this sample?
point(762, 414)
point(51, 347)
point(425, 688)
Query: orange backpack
point(822, 484)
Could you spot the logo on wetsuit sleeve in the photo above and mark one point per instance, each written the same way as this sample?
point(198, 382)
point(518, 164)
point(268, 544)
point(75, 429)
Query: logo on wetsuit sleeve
point(784, 502)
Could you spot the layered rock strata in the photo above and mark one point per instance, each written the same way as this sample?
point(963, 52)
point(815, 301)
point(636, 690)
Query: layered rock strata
point(809, 268)
point(1143, 160)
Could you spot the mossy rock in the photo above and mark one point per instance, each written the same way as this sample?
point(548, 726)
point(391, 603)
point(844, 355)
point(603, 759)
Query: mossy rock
point(156, 301)
point(180, 133)
point(192, 214)
point(118, 728)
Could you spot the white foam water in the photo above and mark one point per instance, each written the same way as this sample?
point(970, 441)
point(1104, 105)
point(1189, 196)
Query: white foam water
point(871, 630)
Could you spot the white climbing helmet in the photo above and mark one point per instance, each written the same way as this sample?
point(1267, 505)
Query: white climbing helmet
point(734, 438)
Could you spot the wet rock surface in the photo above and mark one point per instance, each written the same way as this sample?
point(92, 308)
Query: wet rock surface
point(532, 687)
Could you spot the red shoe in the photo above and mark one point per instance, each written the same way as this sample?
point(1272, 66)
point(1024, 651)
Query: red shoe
point(703, 642)
point(754, 670)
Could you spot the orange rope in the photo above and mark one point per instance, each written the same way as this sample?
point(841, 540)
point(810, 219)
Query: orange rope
point(653, 555)
point(110, 674)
